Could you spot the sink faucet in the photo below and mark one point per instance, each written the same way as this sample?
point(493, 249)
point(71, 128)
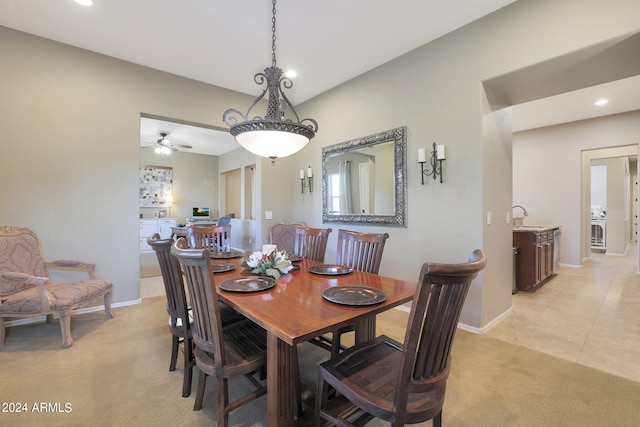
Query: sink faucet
point(524, 211)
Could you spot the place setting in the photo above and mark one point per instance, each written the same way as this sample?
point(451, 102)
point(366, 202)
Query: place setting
point(266, 265)
point(354, 295)
point(330, 270)
point(226, 255)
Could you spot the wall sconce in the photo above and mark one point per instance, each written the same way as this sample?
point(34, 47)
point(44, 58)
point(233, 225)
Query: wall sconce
point(309, 181)
point(437, 156)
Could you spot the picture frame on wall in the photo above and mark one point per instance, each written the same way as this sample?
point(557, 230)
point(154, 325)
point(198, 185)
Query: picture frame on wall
point(156, 186)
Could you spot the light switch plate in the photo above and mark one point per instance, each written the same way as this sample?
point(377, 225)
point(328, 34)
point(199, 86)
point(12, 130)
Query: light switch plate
point(268, 215)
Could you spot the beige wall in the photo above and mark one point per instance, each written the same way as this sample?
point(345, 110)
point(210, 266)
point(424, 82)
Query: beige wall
point(70, 121)
point(70, 159)
point(437, 92)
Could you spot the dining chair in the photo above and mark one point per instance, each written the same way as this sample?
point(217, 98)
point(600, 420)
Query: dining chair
point(283, 235)
point(215, 238)
point(402, 383)
point(363, 252)
point(180, 315)
point(223, 353)
point(224, 220)
point(311, 243)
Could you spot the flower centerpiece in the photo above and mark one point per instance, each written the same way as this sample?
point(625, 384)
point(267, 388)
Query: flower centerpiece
point(268, 262)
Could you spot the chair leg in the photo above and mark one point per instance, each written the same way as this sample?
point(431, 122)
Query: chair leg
point(202, 379)
point(188, 368)
point(2, 333)
point(175, 347)
point(335, 344)
point(437, 420)
point(65, 327)
point(223, 402)
point(321, 399)
point(107, 305)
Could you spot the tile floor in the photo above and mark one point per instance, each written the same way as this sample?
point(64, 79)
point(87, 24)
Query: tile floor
point(589, 315)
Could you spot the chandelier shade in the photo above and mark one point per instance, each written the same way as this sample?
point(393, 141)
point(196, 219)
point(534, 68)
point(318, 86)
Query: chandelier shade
point(272, 135)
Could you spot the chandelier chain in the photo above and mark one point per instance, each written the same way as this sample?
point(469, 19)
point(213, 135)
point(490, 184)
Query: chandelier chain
point(273, 35)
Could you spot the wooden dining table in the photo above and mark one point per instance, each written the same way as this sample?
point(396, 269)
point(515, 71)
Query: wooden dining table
point(295, 311)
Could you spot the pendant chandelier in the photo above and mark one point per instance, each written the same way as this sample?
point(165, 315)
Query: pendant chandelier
point(273, 135)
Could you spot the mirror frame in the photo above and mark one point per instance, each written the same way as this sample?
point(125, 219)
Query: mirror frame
point(399, 218)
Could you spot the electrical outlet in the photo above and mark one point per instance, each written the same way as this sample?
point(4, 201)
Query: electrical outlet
point(488, 217)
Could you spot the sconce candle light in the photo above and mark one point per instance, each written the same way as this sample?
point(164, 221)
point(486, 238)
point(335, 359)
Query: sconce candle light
point(309, 181)
point(437, 156)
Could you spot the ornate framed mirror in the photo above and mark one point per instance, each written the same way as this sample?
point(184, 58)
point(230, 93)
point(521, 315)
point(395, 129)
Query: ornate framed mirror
point(364, 180)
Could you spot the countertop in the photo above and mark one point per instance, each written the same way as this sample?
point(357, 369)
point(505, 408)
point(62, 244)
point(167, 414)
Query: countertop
point(535, 228)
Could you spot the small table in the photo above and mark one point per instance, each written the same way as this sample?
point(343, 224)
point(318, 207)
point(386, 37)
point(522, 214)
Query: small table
point(294, 311)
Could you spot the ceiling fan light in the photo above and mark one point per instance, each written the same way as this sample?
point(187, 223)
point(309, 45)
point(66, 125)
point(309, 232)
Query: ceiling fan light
point(158, 150)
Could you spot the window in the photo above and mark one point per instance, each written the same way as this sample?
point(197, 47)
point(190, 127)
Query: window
point(334, 193)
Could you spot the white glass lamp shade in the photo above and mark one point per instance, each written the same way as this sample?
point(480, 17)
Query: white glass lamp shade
point(272, 143)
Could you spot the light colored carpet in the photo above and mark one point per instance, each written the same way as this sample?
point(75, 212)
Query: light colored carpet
point(116, 374)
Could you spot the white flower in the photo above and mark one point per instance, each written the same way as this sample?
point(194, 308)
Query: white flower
point(254, 259)
point(281, 262)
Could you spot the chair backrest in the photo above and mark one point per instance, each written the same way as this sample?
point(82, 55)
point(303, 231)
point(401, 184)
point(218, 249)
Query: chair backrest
point(172, 278)
point(283, 235)
point(207, 326)
point(215, 238)
point(436, 308)
point(20, 251)
point(362, 251)
point(311, 243)
point(224, 220)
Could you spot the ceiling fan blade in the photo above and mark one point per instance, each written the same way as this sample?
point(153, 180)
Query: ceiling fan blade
point(183, 146)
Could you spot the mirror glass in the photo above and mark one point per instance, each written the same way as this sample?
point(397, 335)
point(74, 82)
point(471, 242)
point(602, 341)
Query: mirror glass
point(364, 180)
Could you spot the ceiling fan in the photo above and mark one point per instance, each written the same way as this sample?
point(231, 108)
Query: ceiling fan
point(165, 146)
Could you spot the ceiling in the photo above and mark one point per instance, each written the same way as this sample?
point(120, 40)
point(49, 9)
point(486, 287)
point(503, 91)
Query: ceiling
point(225, 43)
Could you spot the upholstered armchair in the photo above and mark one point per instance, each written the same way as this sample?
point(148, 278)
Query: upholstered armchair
point(26, 289)
point(283, 234)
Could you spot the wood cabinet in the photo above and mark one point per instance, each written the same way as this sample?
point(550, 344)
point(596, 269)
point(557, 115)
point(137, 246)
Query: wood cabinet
point(150, 226)
point(535, 258)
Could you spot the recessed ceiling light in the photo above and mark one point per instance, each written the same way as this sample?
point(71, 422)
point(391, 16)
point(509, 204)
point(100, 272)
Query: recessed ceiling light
point(85, 2)
point(601, 101)
point(291, 74)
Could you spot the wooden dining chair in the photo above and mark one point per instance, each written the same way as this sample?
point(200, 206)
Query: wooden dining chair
point(402, 383)
point(180, 316)
point(215, 238)
point(311, 243)
point(363, 252)
point(222, 353)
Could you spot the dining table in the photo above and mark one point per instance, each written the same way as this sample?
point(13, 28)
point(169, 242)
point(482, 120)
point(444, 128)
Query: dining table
point(294, 310)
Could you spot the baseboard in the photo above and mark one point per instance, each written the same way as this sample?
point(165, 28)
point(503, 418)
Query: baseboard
point(466, 327)
point(486, 328)
point(39, 319)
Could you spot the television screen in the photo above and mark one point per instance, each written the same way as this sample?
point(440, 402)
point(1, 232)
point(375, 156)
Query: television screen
point(201, 212)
